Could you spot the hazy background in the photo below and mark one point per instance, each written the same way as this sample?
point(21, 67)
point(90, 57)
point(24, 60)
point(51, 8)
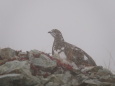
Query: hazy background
point(88, 24)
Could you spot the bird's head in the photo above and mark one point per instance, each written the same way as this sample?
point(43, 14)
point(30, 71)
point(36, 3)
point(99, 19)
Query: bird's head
point(55, 33)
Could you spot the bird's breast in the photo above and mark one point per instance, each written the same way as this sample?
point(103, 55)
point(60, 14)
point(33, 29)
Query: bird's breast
point(60, 52)
point(62, 55)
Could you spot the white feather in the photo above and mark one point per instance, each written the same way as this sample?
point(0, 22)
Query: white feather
point(85, 58)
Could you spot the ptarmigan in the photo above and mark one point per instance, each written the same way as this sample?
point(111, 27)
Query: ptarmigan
point(68, 52)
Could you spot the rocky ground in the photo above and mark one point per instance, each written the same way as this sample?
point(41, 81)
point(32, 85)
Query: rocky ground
point(36, 68)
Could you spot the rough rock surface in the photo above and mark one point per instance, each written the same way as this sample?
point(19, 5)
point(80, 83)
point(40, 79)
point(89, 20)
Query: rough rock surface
point(11, 80)
point(41, 60)
point(7, 53)
point(36, 68)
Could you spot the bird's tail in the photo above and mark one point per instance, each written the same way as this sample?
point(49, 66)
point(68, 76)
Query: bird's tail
point(90, 60)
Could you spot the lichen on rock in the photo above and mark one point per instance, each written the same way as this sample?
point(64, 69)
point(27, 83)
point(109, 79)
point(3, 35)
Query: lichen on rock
point(36, 68)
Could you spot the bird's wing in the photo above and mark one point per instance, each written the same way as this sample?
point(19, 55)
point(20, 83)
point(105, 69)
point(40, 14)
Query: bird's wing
point(88, 57)
point(73, 53)
point(79, 54)
point(90, 60)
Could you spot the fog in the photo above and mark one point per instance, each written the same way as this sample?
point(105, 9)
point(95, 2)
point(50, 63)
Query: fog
point(88, 24)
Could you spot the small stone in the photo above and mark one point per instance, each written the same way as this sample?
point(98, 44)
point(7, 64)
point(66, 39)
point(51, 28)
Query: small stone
point(92, 82)
point(104, 72)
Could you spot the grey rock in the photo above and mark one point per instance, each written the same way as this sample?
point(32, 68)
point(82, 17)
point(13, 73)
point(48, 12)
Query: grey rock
point(106, 84)
point(19, 73)
point(74, 82)
point(22, 54)
point(60, 79)
point(86, 69)
point(91, 69)
point(41, 60)
point(55, 78)
point(21, 67)
point(11, 80)
point(7, 53)
point(113, 76)
point(13, 76)
point(12, 66)
point(92, 82)
point(104, 72)
point(66, 77)
point(105, 77)
point(53, 84)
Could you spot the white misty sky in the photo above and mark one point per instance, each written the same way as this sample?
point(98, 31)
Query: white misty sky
point(88, 24)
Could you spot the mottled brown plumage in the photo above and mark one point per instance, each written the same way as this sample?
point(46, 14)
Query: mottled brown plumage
point(71, 52)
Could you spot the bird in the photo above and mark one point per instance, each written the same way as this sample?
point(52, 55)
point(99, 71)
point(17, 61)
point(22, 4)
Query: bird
point(70, 53)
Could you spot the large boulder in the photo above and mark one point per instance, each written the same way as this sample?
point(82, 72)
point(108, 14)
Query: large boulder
point(11, 80)
point(41, 64)
point(18, 67)
point(11, 66)
point(7, 53)
point(37, 58)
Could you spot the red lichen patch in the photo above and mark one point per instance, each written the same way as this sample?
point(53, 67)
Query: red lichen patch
point(23, 59)
point(52, 58)
point(46, 75)
point(36, 55)
point(59, 62)
point(12, 59)
point(35, 69)
point(3, 61)
point(22, 55)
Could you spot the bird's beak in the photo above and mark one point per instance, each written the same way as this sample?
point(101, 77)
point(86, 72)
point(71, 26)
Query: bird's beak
point(49, 32)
